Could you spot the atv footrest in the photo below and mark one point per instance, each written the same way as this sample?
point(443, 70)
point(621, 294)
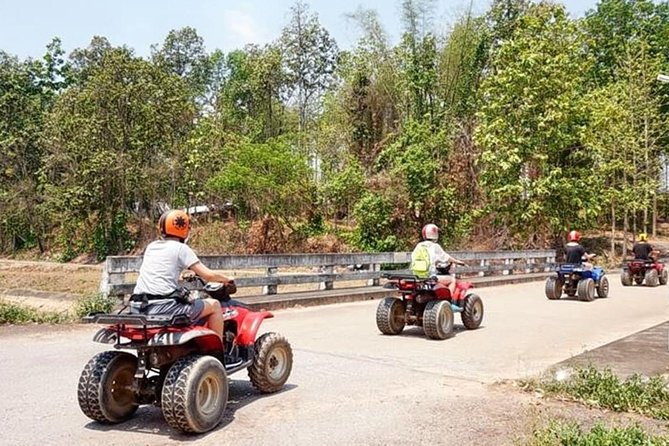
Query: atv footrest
point(138, 319)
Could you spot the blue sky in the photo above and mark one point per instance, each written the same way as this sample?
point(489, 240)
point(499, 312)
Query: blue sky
point(26, 26)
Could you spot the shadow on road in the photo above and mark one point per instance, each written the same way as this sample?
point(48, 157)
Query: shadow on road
point(418, 332)
point(149, 419)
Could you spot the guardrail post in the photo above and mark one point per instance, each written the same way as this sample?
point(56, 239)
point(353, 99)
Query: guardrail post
point(377, 280)
point(327, 284)
point(104, 280)
point(270, 289)
point(530, 263)
point(483, 263)
point(549, 260)
point(507, 271)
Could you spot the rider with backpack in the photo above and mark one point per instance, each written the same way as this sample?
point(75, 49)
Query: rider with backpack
point(428, 256)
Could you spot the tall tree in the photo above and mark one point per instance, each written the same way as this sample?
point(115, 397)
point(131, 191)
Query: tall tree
point(310, 58)
point(183, 53)
point(112, 143)
point(536, 174)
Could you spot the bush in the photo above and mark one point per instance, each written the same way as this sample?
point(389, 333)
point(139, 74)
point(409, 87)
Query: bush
point(571, 434)
point(11, 313)
point(646, 396)
point(374, 232)
point(95, 303)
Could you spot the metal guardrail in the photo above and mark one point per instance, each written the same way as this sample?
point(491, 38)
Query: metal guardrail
point(116, 269)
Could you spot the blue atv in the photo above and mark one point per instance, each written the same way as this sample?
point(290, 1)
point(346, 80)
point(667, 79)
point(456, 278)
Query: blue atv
point(574, 280)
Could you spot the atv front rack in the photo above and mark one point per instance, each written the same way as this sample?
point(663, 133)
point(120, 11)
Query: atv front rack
point(138, 319)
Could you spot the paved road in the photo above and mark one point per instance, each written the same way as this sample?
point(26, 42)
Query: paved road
point(350, 385)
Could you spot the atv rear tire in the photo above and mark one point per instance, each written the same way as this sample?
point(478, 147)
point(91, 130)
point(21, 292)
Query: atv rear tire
point(652, 278)
point(272, 363)
point(438, 319)
point(664, 277)
point(390, 316)
point(195, 394)
point(472, 312)
point(625, 278)
point(104, 389)
point(586, 290)
point(553, 288)
point(603, 287)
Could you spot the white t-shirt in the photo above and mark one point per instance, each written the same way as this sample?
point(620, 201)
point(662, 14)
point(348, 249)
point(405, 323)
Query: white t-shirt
point(437, 254)
point(163, 261)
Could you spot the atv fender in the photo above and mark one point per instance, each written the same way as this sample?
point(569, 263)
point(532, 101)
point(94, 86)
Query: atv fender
point(105, 336)
point(249, 329)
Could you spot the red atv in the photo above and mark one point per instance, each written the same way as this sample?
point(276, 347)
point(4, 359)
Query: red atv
point(178, 366)
point(639, 270)
point(427, 303)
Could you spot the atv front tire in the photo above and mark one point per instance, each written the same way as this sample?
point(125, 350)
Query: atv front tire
point(390, 316)
point(553, 288)
point(438, 319)
point(586, 290)
point(272, 363)
point(195, 394)
point(472, 312)
point(626, 278)
point(104, 390)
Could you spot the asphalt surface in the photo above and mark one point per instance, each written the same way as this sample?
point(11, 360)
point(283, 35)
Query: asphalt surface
point(350, 384)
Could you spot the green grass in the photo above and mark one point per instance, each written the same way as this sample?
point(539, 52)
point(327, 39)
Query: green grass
point(94, 303)
point(603, 389)
point(570, 434)
point(11, 313)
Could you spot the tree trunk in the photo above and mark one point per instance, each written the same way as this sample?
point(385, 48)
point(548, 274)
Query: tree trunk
point(613, 230)
point(654, 214)
point(625, 227)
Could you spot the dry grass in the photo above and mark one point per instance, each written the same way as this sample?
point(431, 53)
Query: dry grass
point(46, 276)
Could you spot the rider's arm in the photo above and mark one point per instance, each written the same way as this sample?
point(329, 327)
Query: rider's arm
point(448, 258)
point(208, 275)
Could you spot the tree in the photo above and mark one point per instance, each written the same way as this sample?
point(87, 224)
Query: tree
point(265, 180)
point(615, 23)
point(112, 143)
point(310, 58)
point(249, 99)
point(27, 91)
point(535, 172)
point(183, 54)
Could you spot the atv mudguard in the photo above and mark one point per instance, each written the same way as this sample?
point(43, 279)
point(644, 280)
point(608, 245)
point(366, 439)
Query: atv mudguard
point(249, 327)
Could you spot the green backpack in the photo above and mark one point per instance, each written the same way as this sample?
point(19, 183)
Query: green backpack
point(420, 262)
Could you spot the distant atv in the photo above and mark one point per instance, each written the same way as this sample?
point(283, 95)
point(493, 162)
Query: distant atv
point(649, 271)
point(427, 303)
point(181, 367)
point(576, 280)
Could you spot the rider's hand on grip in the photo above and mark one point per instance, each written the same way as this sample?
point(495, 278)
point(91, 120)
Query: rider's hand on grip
point(230, 287)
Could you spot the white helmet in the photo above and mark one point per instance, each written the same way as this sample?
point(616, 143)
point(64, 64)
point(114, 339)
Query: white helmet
point(430, 232)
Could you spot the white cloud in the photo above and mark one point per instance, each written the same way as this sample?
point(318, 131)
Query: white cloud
point(243, 28)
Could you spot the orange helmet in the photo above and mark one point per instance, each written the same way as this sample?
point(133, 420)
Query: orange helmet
point(574, 236)
point(175, 223)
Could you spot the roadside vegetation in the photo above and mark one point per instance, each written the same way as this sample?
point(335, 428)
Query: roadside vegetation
point(571, 434)
point(603, 389)
point(14, 313)
point(507, 127)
